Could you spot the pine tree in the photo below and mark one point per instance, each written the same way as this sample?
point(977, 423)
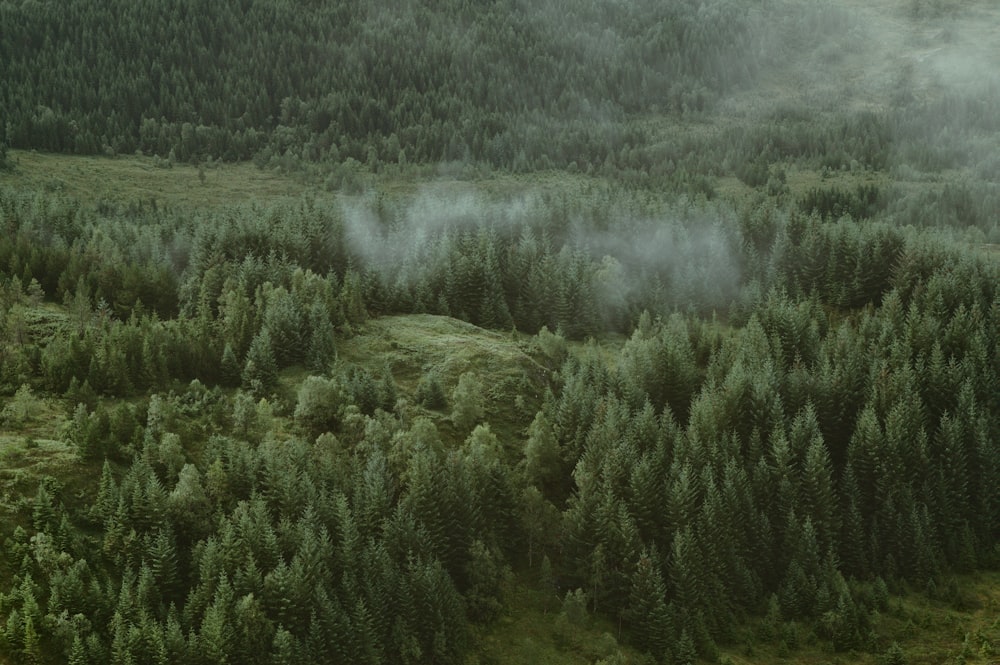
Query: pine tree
point(541, 453)
point(78, 652)
point(320, 405)
point(260, 372)
point(352, 297)
point(284, 322)
point(322, 347)
point(231, 370)
point(163, 564)
point(44, 511)
point(647, 611)
point(817, 493)
point(215, 635)
point(547, 583)
point(238, 320)
point(487, 574)
point(31, 649)
point(467, 402)
point(852, 543)
point(685, 652)
point(4, 144)
point(430, 393)
point(252, 632)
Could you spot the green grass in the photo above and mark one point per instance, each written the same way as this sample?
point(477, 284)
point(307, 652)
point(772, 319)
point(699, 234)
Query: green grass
point(930, 632)
point(412, 345)
point(532, 631)
point(136, 178)
point(130, 178)
point(802, 180)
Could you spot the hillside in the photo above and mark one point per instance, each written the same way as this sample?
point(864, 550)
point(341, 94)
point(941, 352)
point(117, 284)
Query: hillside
point(553, 332)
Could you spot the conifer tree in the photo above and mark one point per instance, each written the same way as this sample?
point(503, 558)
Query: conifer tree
point(260, 372)
point(286, 325)
point(322, 348)
point(230, 368)
point(467, 402)
point(541, 453)
point(430, 393)
point(647, 610)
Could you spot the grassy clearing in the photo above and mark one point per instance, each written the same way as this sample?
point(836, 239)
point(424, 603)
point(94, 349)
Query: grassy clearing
point(31, 442)
point(533, 631)
point(137, 178)
point(132, 178)
point(411, 346)
point(801, 180)
point(965, 629)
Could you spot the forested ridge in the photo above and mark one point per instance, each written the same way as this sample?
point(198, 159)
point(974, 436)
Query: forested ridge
point(327, 81)
point(725, 390)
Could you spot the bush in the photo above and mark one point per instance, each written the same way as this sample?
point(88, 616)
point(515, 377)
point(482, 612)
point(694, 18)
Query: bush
point(22, 409)
point(893, 656)
point(320, 405)
point(467, 400)
point(430, 393)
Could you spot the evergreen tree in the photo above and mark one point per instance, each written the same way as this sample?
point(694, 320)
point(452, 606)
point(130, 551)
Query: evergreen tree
point(285, 324)
point(44, 510)
point(231, 370)
point(320, 405)
point(322, 347)
point(647, 611)
point(260, 372)
point(541, 452)
point(430, 393)
point(467, 402)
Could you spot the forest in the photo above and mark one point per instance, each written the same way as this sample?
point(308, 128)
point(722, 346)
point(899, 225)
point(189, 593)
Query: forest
point(591, 332)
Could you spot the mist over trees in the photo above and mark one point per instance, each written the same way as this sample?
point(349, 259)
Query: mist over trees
point(859, 384)
point(720, 368)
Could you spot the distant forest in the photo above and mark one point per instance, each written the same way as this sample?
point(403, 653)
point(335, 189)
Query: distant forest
point(743, 422)
point(338, 88)
point(503, 82)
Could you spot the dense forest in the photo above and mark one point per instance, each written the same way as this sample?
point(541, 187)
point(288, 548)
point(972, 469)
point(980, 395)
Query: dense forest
point(731, 385)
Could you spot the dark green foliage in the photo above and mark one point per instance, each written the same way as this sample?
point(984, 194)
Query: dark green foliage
point(320, 405)
point(364, 391)
point(894, 655)
point(322, 348)
point(467, 402)
point(430, 392)
point(4, 145)
point(809, 402)
point(232, 372)
point(477, 98)
point(487, 576)
point(647, 612)
point(285, 323)
point(260, 372)
point(543, 459)
point(861, 203)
